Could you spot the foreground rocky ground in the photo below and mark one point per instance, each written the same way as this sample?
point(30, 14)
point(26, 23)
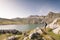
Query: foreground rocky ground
point(36, 34)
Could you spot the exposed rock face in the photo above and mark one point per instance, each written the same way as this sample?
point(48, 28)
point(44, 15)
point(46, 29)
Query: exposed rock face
point(57, 30)
point(54, 26)
point(36, 19)
point(51, 16)
point(33, 19)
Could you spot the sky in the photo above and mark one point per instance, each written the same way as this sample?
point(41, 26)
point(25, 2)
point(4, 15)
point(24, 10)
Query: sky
point(24, 8)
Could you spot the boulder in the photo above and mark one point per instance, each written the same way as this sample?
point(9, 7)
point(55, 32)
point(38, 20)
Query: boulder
point(12, 38)
point(37, 30)
point(57, 30)
point(54, 26)
point(36, 36)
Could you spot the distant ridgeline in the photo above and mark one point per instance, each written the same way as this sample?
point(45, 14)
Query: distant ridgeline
point(33, 19)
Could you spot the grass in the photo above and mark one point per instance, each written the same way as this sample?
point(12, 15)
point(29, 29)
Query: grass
point(4, 36)
point(21, 37)
point(55, 36)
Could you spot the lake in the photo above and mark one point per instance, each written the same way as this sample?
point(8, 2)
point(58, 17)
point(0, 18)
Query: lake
point(20, 27)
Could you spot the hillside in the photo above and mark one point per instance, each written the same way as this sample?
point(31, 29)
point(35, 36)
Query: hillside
point(32, 19)
point(51, 32)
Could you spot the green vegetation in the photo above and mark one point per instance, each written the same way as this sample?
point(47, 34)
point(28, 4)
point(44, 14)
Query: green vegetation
point(22, 36)
point(55, 36)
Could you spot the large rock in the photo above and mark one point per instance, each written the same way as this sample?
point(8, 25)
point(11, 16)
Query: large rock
point(36, 36)
point(54, 26)
point(37, 30)
point(12, 38)
point(57, 30)
point(15, 37)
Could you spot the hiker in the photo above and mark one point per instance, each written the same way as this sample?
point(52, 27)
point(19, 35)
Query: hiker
point(45, 24)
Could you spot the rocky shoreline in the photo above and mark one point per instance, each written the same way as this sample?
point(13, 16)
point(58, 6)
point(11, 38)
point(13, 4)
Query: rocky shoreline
point(10, 31)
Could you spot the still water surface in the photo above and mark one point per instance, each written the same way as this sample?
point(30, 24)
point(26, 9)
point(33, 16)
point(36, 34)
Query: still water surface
point(20, 27)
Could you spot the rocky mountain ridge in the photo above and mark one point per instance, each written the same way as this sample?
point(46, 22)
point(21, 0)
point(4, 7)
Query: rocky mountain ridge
point(33, 19)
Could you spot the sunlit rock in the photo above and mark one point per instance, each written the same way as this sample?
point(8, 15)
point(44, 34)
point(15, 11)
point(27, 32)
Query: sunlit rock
point(37, 30)
point(11, 38)
point(55, 26)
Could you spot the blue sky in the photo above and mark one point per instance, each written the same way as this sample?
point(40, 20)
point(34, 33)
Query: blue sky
point(24, 8)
